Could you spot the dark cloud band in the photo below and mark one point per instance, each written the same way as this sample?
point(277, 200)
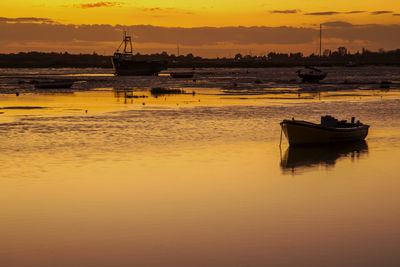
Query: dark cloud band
point(327, 13)
point(381, 12)
point(354, 12)
point(98, 4)
point(331, 13)
point(387, 35)
point(27, 20)
point(290, 11)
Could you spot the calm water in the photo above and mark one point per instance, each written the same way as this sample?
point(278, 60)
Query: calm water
point(195, 180)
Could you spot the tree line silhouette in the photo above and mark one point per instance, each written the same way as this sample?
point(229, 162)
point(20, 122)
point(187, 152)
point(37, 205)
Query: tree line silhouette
point(339, 57)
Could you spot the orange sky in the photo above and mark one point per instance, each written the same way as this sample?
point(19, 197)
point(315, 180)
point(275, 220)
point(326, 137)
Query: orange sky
point(188, 14)
point(185, 13)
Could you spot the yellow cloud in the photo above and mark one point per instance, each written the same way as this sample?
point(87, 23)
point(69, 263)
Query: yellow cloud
point(98, 4)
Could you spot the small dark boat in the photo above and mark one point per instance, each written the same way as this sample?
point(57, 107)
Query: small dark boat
point(330, 131)
point(351, 64)
point(385, 84)
point(53, 84)
point(125, 64)
point(313, 75)
point(187, 74)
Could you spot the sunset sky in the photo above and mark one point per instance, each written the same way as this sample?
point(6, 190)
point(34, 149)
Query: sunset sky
point(206, 28)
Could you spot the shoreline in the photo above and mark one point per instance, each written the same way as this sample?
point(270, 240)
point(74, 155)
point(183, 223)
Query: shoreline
point(227, 81)
point(240, 65)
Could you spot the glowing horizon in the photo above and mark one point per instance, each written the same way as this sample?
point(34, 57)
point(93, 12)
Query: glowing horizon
point(188, 15)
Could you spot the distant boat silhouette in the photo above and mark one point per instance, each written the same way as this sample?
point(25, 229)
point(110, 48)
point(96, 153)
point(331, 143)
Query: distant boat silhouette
point(53, 84)
point(313, 75)
point(351, 64)
point(182, 74)
point(124, 63)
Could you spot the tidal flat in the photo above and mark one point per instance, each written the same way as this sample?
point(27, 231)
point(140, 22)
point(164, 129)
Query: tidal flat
point(108, 174)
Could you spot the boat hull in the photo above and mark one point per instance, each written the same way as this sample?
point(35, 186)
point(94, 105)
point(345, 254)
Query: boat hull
point(312, 78)
point(137, 68)
point(53, 85)
point(182, 74)
point(305, 133)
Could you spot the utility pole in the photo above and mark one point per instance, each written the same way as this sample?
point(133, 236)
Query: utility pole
point(320, 40)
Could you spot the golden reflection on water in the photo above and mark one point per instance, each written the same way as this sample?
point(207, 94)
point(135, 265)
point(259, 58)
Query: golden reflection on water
point(160, 185)
point(196, 209)
point(100, 100)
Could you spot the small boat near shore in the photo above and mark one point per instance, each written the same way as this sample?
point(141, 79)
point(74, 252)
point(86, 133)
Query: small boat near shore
point(186, 74)
point(329, 131)
point(313, 75)
point(52, 84)
point(351, 64)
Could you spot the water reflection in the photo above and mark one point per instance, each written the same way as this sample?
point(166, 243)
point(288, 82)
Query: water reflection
point(298, 159)
point(126, 94)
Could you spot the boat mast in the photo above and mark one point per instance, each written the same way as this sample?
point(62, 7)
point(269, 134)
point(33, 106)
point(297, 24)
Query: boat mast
point(320, 40)
point(127, 44)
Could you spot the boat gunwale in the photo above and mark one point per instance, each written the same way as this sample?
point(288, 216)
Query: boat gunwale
point(319, 126)
point(314, 76)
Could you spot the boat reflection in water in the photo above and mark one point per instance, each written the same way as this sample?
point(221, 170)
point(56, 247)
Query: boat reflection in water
point(127, 94)
point(298, 159)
